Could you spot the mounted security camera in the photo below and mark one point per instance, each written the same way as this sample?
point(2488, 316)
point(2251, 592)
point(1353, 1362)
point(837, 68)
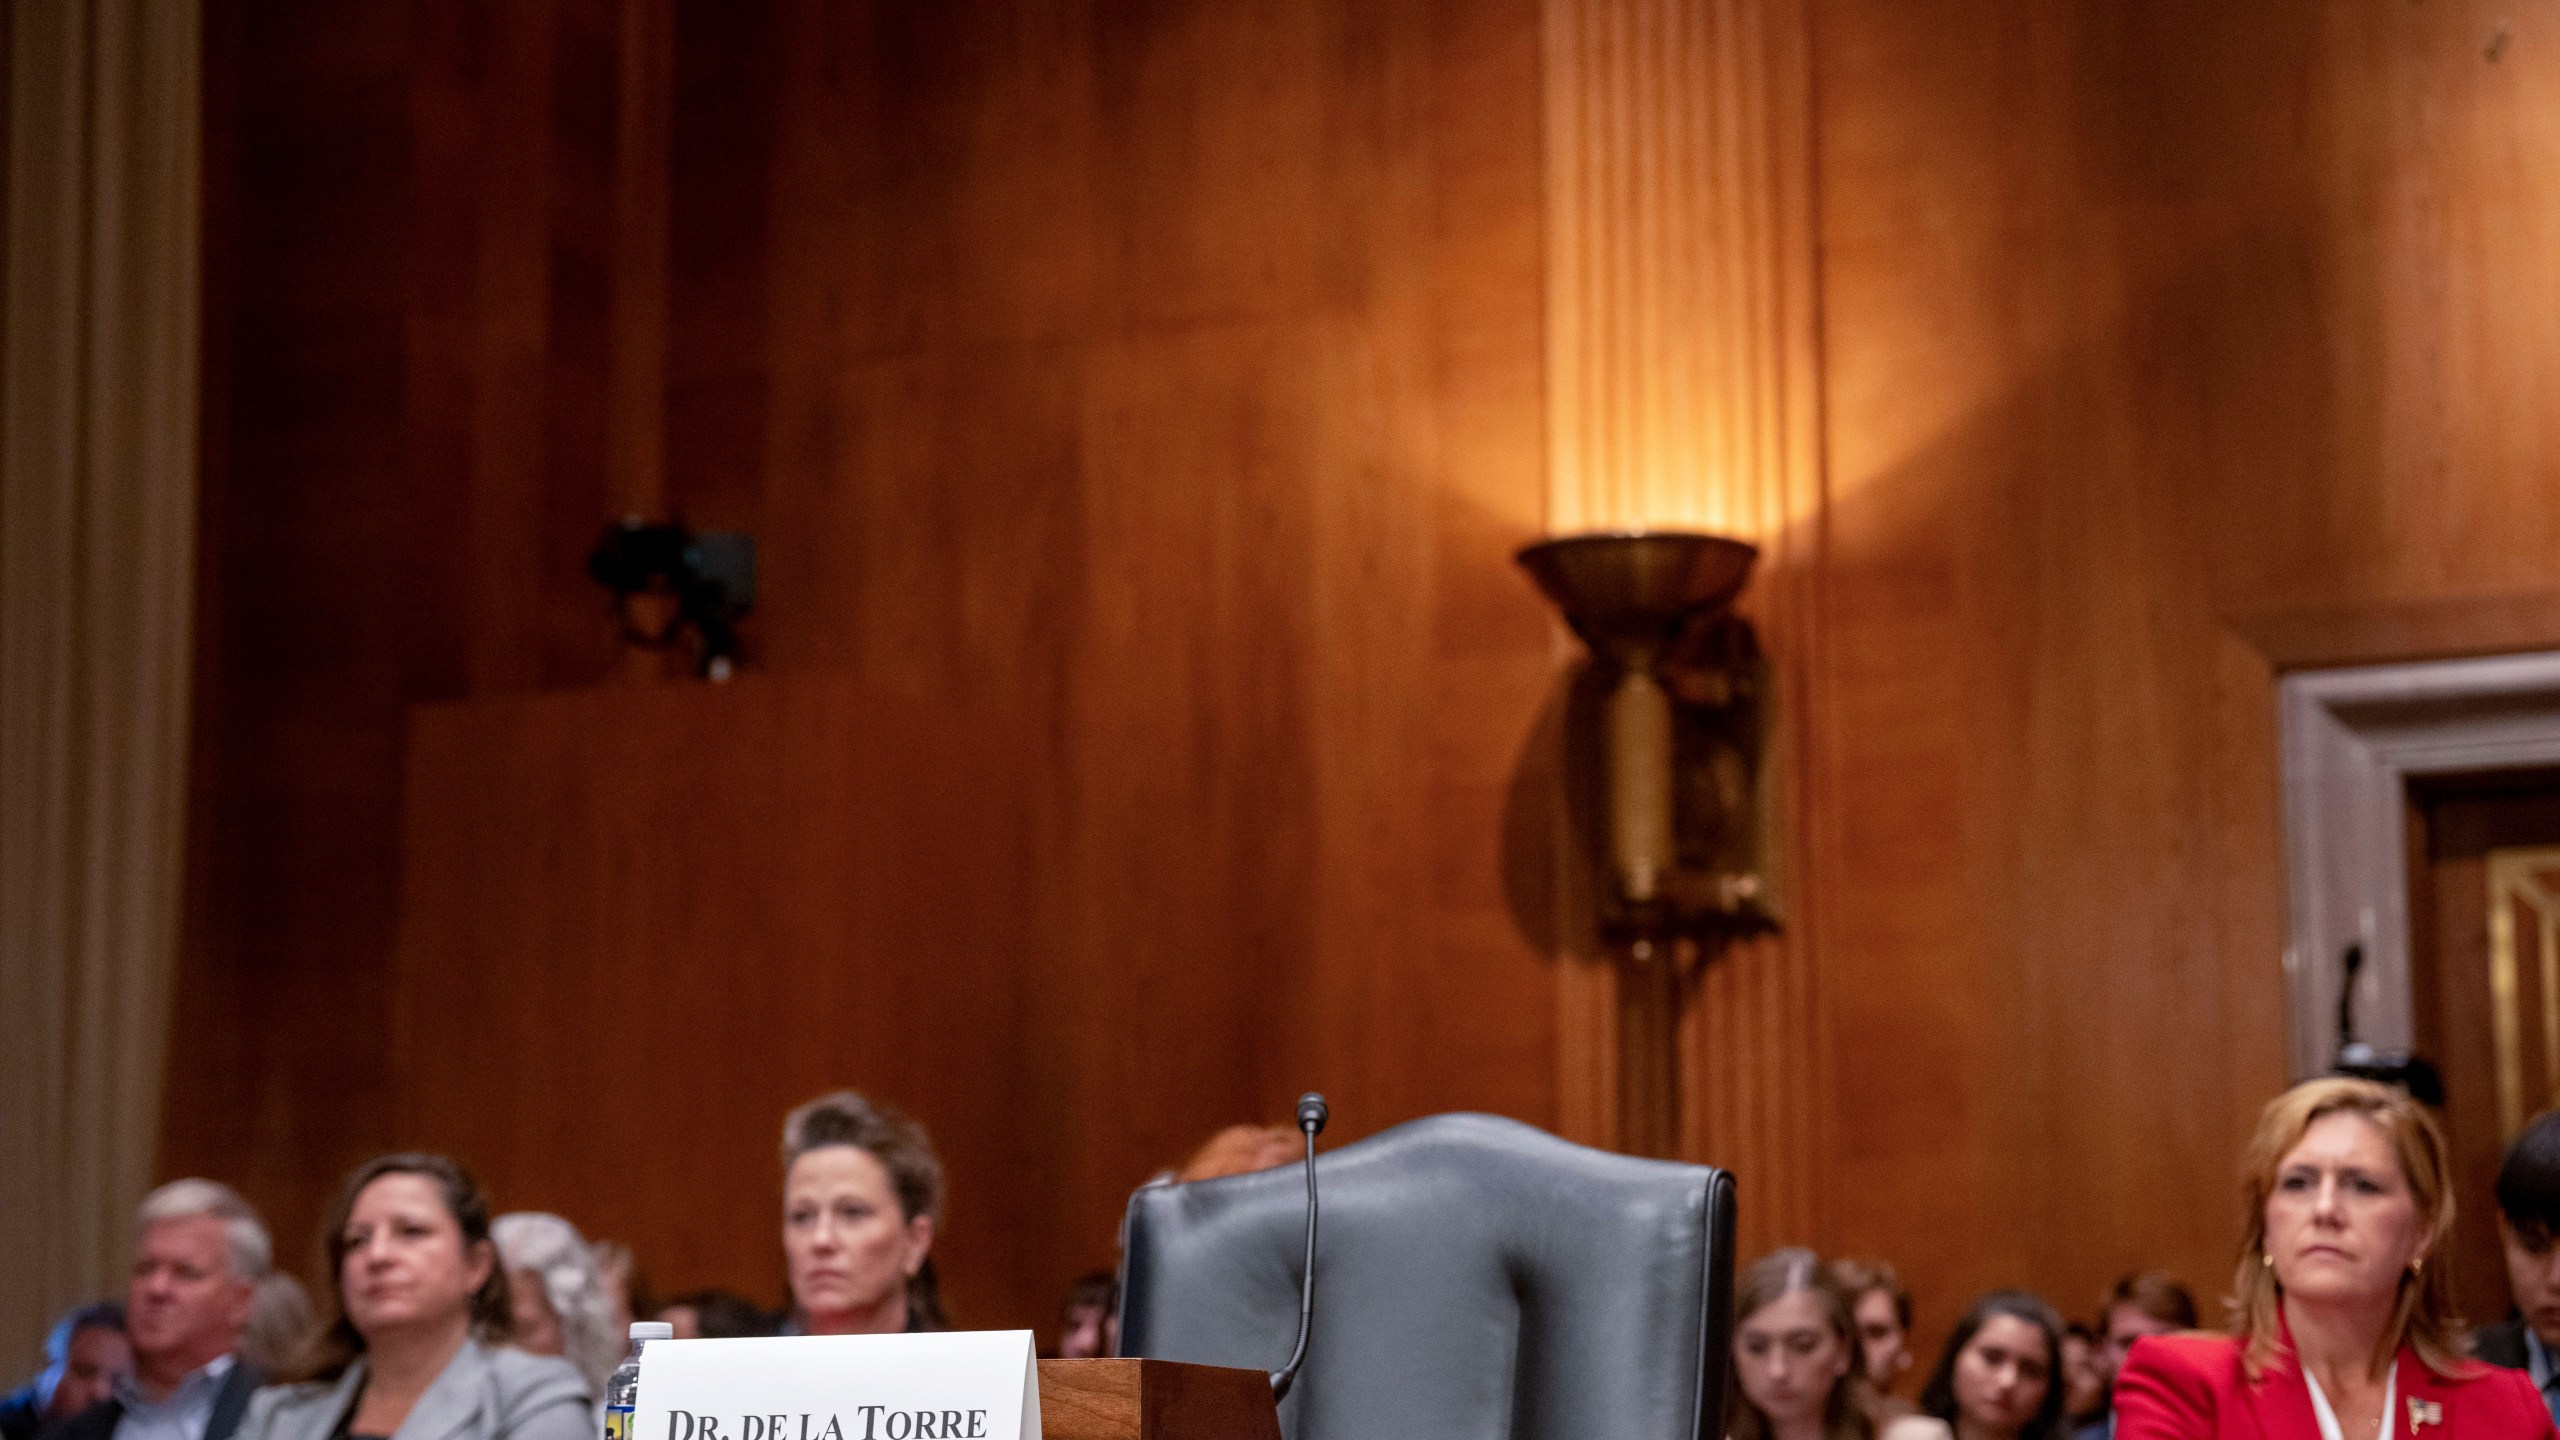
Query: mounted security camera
point(710, 577)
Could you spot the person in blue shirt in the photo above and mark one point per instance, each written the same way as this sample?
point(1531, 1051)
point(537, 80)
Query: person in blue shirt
point(84, 1356)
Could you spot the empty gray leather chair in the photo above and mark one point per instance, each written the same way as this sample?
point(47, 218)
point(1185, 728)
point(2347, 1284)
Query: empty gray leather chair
point(1476, 1279)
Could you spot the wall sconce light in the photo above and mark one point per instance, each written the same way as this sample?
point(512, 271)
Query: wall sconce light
point(1674, 729)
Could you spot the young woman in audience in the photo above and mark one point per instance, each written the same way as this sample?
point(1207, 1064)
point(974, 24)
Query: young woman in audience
point(861, 1195)
point(2345, 1327)
point(2000, 1376)
point(1796, 1358)
point(413, 1347)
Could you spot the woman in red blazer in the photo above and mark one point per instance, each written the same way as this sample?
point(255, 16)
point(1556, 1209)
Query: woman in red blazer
point(2344, 1332)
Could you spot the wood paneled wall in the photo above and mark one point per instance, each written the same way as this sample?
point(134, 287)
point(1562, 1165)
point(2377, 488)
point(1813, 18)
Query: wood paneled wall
point(642, 922)
point(1162, 387)
point(1156, 388)
point(279, 1075)
point(2164, 349)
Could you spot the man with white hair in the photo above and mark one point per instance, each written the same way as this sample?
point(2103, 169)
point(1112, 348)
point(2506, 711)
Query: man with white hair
point(199, 1253)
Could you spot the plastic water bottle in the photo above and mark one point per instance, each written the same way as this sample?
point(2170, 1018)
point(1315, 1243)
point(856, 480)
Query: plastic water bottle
point(622, 1392)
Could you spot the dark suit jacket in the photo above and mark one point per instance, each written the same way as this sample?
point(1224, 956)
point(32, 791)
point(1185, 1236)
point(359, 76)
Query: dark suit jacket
point(20, 1419)
point(2502, 1345)
point(2192, 1387)
point(98, 1422)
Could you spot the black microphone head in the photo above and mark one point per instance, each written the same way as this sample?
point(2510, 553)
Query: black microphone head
point(1312, 1113)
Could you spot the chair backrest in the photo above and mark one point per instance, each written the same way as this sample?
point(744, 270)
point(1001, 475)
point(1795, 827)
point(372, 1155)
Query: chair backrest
point(1476, 1279)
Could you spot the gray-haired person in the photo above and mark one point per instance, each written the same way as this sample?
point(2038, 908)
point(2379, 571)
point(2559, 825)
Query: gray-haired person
point(281, 1324)
point(557, 1295)
point(199, 1253)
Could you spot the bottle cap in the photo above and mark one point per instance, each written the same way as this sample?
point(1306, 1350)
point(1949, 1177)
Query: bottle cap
point(652, 1330)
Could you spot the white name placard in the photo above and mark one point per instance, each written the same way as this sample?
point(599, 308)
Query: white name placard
point(958, 1385)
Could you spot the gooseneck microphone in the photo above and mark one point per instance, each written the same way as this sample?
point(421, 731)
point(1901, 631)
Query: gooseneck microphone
point(1311, 1117)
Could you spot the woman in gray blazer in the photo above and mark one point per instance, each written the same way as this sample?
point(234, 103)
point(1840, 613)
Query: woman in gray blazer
point(414, 1351)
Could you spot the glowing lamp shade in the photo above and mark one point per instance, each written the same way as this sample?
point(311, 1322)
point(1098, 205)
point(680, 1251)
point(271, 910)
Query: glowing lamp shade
point(1637, 586)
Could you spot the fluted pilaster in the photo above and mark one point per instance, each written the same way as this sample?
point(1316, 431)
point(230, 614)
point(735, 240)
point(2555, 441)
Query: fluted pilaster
point(1681, 392)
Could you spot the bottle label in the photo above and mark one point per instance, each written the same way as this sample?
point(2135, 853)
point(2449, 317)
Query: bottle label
point(617, 1422)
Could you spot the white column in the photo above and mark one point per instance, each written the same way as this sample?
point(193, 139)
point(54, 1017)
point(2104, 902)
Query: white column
point(97, 533)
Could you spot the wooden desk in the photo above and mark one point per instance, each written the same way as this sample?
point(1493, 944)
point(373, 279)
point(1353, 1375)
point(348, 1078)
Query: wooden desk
point(1154, 1400)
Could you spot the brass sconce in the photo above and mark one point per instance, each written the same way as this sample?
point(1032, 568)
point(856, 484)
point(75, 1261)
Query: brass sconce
point(1673, 724)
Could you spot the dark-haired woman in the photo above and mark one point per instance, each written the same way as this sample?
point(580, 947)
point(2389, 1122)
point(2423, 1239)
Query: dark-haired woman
point(2346, 1329)
point(861, 1194)
point(2000, 1375)
point(1796, 1356)
point(413, 1348)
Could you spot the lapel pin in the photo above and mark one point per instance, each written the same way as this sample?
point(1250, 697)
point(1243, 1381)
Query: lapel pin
point(2423, 1413)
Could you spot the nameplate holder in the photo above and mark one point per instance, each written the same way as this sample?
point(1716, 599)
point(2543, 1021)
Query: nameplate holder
point(956, 1385)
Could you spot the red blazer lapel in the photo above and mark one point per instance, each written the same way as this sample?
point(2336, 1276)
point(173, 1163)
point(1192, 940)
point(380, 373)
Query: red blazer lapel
point(2425, 1400)
point(2281, 1400)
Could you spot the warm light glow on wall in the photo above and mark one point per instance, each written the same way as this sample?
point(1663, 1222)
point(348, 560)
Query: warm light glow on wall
point(1665, 494)
point(1679, 317)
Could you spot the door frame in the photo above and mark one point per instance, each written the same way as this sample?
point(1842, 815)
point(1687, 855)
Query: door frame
point(2351, 739)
